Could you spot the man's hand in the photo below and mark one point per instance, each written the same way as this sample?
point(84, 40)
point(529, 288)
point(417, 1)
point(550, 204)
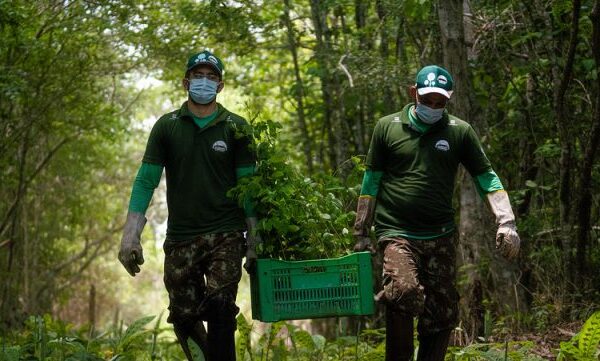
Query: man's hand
point(508, 241)
point(252, 239)
point(365, 210)
point(250, 265)
point(131, 254)
point(363, 244)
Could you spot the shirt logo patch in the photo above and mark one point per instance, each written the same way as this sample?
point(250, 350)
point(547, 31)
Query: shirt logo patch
point(442, 145)
point(219, 146)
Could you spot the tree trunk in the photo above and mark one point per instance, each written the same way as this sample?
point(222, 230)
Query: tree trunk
point(584, 203)
point(566, 162)
point(322, 51)
point(566, 141)
point(474, 219)
point(360, 17)
point(92, 309)
point(388, 92)
point(471, 208)
point(299, 91)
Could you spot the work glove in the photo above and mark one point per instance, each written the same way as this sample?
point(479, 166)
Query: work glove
point(131, 255)
point(364, 244)
point(507, 239)
point(365, 211)
point(252, 240)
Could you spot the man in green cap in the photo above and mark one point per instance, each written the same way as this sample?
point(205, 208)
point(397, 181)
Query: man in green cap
point(204, 154)
point(407, 190)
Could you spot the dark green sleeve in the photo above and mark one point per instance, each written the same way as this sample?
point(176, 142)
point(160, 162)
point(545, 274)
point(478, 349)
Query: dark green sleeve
point(155, 148)
point(472, 155)
point(244, 154)
point(376, 157)
point(248, 203)
point(146, 181)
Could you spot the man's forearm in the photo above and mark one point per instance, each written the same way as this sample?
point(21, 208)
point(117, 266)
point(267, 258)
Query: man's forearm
point(500, 206)
point(365, 209)
point(147, 179)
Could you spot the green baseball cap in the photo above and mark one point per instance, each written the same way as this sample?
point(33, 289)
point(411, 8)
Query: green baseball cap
point(434, 79)
point(208, 58)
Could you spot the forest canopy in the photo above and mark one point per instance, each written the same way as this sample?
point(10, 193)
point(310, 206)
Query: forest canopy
point(81, 83)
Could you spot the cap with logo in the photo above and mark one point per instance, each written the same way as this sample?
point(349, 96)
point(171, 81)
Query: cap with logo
point(208, 58)
point(434, 79)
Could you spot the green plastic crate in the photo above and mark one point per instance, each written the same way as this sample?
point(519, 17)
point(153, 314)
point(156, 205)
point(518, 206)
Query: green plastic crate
point(291, 290)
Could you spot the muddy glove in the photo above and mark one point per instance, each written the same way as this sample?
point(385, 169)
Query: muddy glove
point(252, 240)
point(507, 239)
point(365, 211)
point(131, 254)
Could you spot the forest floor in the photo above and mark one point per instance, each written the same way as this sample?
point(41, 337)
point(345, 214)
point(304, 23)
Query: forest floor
point(547, 344)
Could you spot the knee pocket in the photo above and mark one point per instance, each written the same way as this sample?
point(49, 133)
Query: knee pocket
point(409, 298)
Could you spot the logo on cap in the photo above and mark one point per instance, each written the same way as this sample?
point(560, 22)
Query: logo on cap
point(430, 81)
point(200, 57)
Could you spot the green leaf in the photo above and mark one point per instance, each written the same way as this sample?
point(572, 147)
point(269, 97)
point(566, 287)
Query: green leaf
point(589, 336)
point(319, 342)
point(530, 184)
point(134, 330)
point(195, 350)
point(303, 340)
point(243, 342)
point(568, 351)
point(11, 353)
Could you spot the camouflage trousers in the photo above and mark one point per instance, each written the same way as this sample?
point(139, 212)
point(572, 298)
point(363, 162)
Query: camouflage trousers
point(419, 280)
point(202, 276)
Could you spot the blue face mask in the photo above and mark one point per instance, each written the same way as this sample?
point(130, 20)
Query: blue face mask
point(429, 115)
point(203, 90)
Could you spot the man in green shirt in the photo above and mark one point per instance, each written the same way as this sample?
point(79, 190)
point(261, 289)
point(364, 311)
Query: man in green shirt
point(407, 190)
point(203, 152)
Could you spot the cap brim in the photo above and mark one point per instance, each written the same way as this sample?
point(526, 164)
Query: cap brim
point(430, 89)
point(205, 63)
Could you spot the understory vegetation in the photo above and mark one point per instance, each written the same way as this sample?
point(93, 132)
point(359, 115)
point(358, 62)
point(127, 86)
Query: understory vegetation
point(145, 339)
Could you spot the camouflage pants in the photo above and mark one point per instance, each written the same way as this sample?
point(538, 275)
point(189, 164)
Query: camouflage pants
point(419, 280)
point(202, 276)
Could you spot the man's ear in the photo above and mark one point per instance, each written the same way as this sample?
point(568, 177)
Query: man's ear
point(412, 92)
point(185, 83)
point(220, 86)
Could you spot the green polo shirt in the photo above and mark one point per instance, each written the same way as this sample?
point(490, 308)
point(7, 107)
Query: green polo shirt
point(200, 165)
point(419, 171)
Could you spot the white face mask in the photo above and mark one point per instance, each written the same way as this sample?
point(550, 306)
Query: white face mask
point(429, 115)
point(203, 90)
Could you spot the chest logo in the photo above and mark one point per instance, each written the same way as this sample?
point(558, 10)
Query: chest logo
point(442, 145)
point(219, 146)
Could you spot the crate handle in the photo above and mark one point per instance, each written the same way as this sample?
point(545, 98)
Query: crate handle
point(314, 269)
